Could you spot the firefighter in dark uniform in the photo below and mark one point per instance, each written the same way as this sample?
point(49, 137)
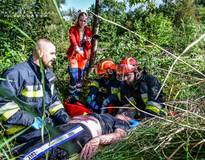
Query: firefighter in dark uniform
point(140, 89)
point(105, 89)
point(28, 100)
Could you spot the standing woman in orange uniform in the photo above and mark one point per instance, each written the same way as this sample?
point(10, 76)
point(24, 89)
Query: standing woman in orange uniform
point(78, 54)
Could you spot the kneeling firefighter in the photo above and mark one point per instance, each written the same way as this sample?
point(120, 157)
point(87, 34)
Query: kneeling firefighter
point(140, 88)
point(105, 88)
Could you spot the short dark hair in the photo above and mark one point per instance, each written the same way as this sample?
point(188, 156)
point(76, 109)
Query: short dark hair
point(37, 46)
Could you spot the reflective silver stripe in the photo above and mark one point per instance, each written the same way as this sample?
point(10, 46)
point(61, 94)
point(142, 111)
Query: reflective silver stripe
point(8, 106)
point(33, 91)
point(52, 79)
point(155, 104)
point(72, 91)
point(8, 110)
point(52, 89)
point(55, 104)
point(54, 143)
point(144, 95)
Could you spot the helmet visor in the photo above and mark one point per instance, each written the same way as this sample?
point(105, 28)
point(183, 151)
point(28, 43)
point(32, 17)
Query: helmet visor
point(125, 72)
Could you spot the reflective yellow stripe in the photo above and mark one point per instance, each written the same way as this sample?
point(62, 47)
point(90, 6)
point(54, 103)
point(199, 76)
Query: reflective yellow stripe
point(54, 109)
point(156, 108)
point(14, 129)
point(163, 112)
point(8, 110)
point(145, 100)
point(153, 109)
point(8, 114)
point(115, 90)
point(94, 84)
point(119, 96)
point(144, 97)
point(152, 103)
point(32, 91)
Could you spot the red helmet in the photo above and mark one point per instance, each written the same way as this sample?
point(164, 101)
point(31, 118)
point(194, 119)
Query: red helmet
point(127, 65)
point(105, 66)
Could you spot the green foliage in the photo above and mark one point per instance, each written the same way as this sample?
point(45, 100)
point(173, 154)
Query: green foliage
point(185, 34)
point(156, 28)
point(10, 57)
point(31, 17)
point(185, 11)
point(172, 26)
point(108, 9)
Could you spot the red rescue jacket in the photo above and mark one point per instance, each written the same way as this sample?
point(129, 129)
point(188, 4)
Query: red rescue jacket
point(75, 41)
point(76, 109)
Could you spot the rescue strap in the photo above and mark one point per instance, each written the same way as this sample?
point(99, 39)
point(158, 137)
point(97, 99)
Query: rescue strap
point(70, 134)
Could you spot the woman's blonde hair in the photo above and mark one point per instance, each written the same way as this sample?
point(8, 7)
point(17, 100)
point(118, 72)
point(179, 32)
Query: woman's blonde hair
point(78, 17)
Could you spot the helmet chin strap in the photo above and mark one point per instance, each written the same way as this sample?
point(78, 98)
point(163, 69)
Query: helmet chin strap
point(135, 76)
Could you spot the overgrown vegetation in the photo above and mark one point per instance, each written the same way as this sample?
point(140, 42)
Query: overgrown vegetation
point(158, 34)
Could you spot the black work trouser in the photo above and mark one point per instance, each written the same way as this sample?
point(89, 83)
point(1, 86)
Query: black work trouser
point(61, 152)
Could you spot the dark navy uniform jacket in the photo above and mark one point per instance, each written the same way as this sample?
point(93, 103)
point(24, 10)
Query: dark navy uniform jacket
point(105, 89)
point(143, 94)
point(23, 81)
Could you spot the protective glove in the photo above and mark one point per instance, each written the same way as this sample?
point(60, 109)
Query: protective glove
point(134, 123)
point(94, 105)
point(90, 99)
point(38, 123)
point(79, 50)
point(106, 102)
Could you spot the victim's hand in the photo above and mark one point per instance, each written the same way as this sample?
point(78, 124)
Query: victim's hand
point(90, 149)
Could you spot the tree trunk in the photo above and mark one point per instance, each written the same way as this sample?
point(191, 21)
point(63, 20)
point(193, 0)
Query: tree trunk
point(95, 29)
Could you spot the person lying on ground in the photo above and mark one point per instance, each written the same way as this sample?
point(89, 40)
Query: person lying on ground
point(85, 133)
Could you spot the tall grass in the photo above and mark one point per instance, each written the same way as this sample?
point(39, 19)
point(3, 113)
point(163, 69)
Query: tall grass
point(179, 137)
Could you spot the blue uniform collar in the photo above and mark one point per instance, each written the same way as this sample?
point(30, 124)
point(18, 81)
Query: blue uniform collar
point(35, 67)
point(47, 72)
